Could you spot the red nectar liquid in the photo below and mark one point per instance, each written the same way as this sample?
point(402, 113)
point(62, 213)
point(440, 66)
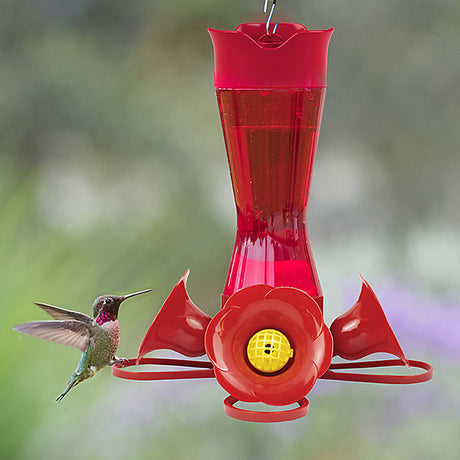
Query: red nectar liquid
point(271, 137)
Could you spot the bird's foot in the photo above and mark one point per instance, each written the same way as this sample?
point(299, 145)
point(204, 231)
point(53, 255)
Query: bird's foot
point(122, 361)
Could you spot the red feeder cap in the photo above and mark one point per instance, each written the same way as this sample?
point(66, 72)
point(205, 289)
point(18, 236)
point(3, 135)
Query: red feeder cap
point(247, 57)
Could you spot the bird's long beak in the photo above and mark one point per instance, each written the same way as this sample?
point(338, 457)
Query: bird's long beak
point(127, 296)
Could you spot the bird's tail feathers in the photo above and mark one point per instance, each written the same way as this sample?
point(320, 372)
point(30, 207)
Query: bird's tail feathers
point(73, 381)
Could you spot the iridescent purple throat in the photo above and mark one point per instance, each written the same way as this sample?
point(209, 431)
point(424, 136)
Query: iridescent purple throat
point(103, 317)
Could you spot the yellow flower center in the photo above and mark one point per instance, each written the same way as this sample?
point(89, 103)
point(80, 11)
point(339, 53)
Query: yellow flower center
point(269, 350)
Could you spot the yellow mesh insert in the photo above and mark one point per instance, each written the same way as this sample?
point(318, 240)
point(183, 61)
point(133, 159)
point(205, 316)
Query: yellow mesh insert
point(269, 350)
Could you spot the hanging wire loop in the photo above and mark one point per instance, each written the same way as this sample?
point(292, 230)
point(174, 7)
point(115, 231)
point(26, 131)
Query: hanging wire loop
point(270, 15)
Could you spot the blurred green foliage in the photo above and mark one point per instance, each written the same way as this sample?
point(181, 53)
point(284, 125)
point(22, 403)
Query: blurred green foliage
point(113, 178)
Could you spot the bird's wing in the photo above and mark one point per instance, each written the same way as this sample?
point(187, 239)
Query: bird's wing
point(62, 313)
point(72, 333)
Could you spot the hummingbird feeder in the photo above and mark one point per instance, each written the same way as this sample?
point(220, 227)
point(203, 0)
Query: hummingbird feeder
point(269, 342)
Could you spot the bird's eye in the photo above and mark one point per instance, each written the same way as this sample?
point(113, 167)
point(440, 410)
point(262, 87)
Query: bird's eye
point(108, 301)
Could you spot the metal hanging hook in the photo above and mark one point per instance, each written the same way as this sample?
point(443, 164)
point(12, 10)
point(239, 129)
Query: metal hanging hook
point(267, 28)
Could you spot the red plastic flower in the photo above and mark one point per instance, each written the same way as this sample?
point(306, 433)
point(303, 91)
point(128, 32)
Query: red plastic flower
point(287, 310)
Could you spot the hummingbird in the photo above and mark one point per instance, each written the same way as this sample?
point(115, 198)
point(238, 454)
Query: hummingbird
point(98, 337)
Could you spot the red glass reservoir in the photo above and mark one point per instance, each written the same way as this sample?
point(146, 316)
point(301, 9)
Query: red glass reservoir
point(271, 137)
point(270, 92)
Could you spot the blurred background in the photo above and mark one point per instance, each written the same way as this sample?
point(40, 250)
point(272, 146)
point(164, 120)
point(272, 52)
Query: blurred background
point(113, 178)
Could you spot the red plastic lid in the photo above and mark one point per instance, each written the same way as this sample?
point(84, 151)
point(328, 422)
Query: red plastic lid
point(247, 57)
